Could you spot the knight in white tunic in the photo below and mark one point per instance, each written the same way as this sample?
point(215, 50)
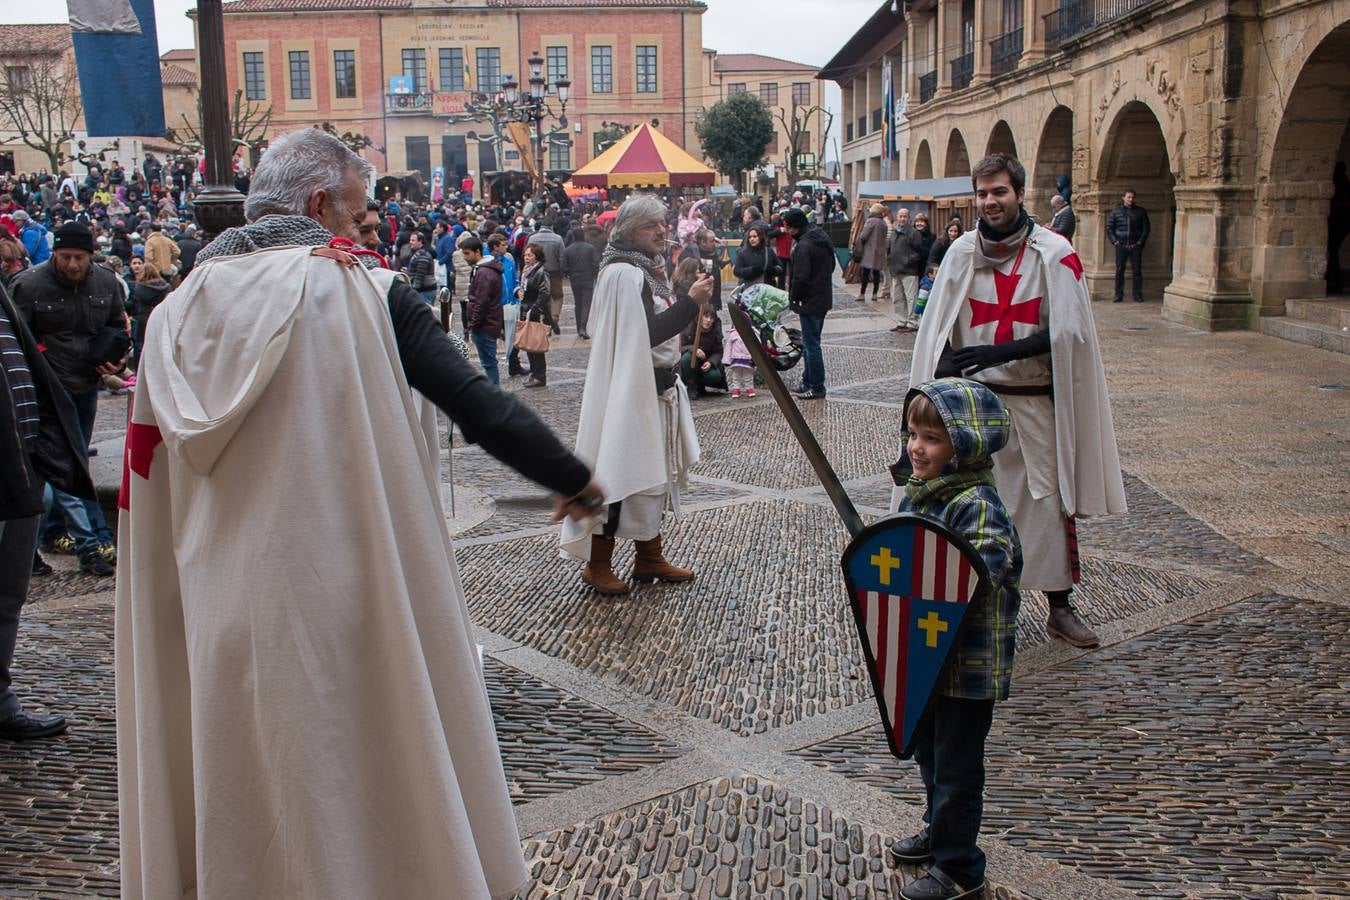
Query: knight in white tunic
point(636, 425)
point(1010, 309)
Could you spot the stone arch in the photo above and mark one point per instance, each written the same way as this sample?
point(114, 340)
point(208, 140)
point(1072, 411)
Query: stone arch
point(923, 161)
point(1054, 157)
point(958, 158)
point(1135, 157)
point(1291, 258)
point(1001, 140)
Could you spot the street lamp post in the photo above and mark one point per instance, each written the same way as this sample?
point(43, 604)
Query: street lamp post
point(220, 205)
point(509, 104)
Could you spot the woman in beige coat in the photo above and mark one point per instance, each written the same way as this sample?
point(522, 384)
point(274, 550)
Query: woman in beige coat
point(871, 250)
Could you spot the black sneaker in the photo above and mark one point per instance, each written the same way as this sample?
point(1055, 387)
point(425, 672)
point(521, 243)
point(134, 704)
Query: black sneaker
point(40, 565)
point(93, 563)
point(108, 552)
point(937, 886)
point(913, 851)
point(808, 394)
point(64, 545)
point(24, 726)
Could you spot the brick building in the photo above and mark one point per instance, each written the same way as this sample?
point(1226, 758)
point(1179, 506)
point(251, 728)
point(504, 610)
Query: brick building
point(396, 70)
point(1226, 118)
point(787, 89)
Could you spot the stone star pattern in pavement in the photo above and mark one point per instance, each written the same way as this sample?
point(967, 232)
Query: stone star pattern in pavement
point(719, 739)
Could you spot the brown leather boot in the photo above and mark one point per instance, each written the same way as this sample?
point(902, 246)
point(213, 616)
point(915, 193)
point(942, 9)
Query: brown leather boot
point(599, 572)
point(652, 565)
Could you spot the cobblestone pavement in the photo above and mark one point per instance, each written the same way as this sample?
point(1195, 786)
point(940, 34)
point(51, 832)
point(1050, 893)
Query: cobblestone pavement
point(719, 739)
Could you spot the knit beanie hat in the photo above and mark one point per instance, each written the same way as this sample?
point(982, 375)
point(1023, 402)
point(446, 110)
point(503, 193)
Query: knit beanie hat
point(73, 236)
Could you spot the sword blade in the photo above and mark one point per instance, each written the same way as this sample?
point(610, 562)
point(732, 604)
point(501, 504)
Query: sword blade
point(800, 430)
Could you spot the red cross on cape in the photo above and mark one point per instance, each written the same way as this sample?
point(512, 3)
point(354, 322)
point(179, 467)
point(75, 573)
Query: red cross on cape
point(1004, 311)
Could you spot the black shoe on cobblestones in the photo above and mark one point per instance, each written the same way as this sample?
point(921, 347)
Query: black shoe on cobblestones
point(40, 565)
point(912, 851)
point(937, 886)
point(25, 727)
point(93, 563)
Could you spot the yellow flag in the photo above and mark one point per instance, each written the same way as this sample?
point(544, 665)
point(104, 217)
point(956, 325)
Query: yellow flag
point(519, 132)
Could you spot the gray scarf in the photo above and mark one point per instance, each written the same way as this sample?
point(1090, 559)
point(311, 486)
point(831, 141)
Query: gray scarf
point(653, 268)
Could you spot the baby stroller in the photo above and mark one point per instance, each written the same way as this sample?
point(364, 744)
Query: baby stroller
point(764, 305)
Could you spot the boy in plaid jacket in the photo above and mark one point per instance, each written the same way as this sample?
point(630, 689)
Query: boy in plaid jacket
point(953, 427)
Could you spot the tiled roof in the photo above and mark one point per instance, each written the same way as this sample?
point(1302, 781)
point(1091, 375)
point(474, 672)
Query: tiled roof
point(245, 6)
point(186, 54)
point(20, 40)
point(593, 4)
point(754, 62)
point(177, 76)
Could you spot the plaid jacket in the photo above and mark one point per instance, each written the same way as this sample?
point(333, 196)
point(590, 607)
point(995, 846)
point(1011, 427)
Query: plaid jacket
point(964, 498)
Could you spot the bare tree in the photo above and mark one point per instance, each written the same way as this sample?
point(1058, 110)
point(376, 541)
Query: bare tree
point(40, 101)
point(796, 122)
point(249, 121)
point(355, 141)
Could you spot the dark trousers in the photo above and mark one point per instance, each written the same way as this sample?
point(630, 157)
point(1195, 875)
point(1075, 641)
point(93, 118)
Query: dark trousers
point(874, 276)
point(813, 360)
point(784, 263)
point(18, 539)
point(1135, 255)
point(581, 296)
point(949, 748)
point(538, 366)
point(86, 410)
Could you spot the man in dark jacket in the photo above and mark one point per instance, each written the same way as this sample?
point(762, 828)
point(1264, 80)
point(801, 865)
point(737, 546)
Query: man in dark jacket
point(40, 441)
point(810, 295)
point(189, 246)
point(483, 316)
point(581, 262)
point(547, 238)
point(905, 258)
point(421, 267)
point(67, 302)
point(1127, 228)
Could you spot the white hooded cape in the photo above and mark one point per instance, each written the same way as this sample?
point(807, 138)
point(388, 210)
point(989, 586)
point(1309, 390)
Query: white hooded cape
point(634, 440)
point(1090, 482)
point(300, 709)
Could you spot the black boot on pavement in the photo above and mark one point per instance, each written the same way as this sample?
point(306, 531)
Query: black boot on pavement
point(40, 565)
point(913, 851)
point(937, 886)
point(1065, 625)
point(23, 726)
point(93, 563)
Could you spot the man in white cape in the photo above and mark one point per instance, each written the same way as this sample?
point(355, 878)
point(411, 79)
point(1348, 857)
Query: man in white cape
point(636, 425)
point(300, 703)
point(1009, 308)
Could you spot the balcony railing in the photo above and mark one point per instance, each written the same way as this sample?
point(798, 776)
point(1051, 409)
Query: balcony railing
point(963, 67)
point(410, 103)
point(927, 86)
point(1005, 51)
point(1074, 17)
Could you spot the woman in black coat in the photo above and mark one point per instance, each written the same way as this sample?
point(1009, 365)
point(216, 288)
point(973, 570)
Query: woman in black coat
point(755, 260)
point(535, 298)
point(148, 292)
point(941, 244)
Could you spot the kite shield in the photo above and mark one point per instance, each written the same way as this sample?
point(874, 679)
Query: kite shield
point(911, 581)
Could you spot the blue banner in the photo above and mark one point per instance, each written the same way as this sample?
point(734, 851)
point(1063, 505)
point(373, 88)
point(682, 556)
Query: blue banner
point(119, 69)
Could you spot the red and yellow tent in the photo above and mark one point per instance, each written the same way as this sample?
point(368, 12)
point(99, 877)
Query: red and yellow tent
point(644, 158)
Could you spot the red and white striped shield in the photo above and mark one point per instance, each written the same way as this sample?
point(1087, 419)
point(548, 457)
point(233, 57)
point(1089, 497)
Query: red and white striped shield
point(911, 581)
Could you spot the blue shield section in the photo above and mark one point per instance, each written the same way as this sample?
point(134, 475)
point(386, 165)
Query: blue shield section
point(119, 79)
point(912, 567)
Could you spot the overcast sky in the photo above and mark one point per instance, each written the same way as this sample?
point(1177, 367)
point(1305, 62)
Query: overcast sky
point(806, 31)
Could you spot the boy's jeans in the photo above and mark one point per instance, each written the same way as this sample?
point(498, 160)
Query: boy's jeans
point(949, 748)
point(487, 354)
point(813, 360)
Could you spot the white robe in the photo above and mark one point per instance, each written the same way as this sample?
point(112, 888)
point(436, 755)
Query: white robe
point(300, 708)
point(1061, 459)
point(639, 445)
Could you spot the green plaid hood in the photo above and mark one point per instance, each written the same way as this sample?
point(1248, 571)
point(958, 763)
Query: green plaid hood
point(978, 424)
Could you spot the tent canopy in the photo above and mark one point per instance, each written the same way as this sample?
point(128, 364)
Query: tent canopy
point(644, 158)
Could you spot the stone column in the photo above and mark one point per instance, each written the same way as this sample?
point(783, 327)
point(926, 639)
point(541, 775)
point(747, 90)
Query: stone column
point(1099, 262)
point(1288, 257)
point(1212, 263)
point(985, 31)
point(945, 12)
point(1033, 32)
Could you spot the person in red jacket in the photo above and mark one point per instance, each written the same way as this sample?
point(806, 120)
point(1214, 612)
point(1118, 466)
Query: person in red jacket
point(782, 248)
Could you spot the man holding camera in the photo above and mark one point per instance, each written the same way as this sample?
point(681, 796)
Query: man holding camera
point(708, 251)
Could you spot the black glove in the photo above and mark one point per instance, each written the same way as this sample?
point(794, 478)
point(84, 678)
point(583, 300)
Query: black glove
point(982, 356)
